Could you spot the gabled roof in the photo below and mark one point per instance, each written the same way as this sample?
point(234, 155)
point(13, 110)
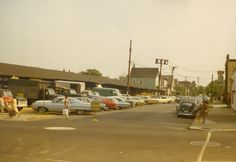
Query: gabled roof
point(48, 74)
point(144, 72)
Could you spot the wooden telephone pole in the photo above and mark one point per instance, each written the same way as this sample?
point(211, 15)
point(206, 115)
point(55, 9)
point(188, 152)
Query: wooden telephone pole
point(128, 76)
point(172, 78)
point(161, 62)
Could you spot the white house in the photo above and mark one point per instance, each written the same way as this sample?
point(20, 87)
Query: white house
point(233, 94)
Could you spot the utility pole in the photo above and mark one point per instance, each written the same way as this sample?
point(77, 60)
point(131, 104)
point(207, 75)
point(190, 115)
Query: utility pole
point(128, 77)
point(185, 89)
point(161, 62)
point(172, 78)
point(198, 79)
point(212, 84)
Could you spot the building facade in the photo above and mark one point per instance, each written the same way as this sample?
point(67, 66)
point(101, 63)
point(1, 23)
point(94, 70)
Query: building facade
point(230, 68)
point(233, 92)
point(147, 77)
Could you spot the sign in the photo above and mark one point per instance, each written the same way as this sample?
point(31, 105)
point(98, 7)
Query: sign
point(95, 105)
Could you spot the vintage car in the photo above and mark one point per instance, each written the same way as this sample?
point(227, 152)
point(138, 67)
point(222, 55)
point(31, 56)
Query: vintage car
point(139, 101)
point(187, 108)
point(57, 105)
point(149, 100)
point(89, 100)
point(164, 99)
point(129, 100)
point(108, 102)
point(121, 103)
point(21, 102)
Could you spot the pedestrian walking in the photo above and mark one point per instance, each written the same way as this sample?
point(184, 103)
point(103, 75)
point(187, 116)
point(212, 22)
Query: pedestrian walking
point(66, 107)
point(1, 105)
point(14, 107)
point(204, 110)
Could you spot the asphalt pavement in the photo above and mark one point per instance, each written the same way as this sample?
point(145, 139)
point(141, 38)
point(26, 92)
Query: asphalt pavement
point(151, 133)
point(28, 114)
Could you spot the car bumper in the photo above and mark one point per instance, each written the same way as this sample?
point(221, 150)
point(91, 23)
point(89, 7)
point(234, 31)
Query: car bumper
point(186, 114)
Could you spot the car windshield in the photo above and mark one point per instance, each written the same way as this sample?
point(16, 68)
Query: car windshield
point(119, 99)
point(188, 104)
point(72, 91)
point(51, 91)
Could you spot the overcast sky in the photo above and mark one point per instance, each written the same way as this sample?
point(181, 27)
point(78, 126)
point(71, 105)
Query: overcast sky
point(194, 35)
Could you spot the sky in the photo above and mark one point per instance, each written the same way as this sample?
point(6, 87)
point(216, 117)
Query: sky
point(194, 35)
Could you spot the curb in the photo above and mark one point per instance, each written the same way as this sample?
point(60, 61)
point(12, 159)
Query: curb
point(219, 106)
point(194, 127)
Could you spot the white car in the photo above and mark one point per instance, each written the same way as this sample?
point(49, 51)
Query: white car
point(164, 99)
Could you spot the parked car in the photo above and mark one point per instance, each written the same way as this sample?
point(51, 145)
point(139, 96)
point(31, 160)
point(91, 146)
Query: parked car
point(57, 104)
point(164, 99)
point(108, 102)
point(89, 100)
point(120, 102)
point(149, 100)
point(139, 101)
point(130, 100)
point(21, 102)
point(187, 108)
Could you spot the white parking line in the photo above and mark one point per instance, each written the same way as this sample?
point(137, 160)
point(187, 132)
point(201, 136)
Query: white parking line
point(200, 156)
point(60, 128)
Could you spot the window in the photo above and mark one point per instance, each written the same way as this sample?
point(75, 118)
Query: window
point(140, 81)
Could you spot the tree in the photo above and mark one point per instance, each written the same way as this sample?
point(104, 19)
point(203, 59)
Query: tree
point(192, 91)
point(180, 90)
point(217, 91)
point(94, 72)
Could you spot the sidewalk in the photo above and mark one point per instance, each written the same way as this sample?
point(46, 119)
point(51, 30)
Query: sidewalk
point(219, 117)
point(27, 114)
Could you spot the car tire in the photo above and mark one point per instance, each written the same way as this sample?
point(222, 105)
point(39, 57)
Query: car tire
point(42, 109)
point(80, 112)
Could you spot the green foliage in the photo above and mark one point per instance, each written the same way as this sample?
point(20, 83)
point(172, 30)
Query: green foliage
point(191, 91)
point(180, 90)
point(94, 72)
point(217, 90)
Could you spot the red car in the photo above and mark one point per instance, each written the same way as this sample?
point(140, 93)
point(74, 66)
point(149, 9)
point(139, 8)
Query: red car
point(108, 102)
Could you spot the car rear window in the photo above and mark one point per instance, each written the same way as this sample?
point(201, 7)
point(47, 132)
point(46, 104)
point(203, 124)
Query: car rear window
point(187, 104)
